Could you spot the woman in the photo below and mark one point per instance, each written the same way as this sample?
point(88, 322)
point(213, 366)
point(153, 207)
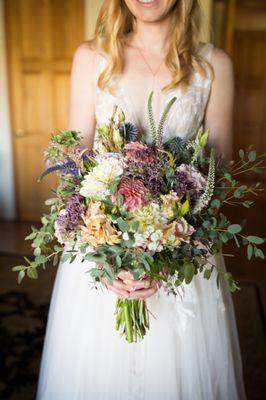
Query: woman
point(191, 351)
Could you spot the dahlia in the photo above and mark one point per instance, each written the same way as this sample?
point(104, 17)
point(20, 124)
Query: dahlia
point(96, 184)
point(134, 192)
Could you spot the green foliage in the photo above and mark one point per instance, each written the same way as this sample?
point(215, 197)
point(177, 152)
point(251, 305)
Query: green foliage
point(157, 133)
point(151, 119)
point(205, 198)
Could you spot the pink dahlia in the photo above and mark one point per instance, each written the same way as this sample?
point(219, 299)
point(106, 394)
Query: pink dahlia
point(134, 192)
point(139, 152)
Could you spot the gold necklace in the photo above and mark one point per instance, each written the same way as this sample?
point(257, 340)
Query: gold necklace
point(148, 65)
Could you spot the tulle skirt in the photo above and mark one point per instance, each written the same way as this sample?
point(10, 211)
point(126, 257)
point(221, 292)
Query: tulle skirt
point(191, 351)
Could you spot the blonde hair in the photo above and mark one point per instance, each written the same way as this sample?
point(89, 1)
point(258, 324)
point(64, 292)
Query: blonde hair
point(115, 20)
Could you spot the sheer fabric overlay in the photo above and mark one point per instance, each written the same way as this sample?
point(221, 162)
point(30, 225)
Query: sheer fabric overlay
point(191, 351)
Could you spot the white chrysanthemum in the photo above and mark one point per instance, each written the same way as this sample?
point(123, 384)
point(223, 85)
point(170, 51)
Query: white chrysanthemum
point(96, 183)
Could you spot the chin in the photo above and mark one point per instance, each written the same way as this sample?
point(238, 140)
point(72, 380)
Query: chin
point(150, 10)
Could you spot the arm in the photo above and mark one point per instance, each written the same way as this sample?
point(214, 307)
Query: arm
point(81, 105)
point(219, 112)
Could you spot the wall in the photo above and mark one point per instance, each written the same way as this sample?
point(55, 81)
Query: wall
point(7, 207)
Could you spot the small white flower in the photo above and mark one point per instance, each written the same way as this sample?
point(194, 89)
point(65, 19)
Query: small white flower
point(150, 229)
point(157, 235)
point(125, 236)
point(152, 246)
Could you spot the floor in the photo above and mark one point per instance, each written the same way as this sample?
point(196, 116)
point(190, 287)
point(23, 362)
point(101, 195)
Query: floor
point(24, 309)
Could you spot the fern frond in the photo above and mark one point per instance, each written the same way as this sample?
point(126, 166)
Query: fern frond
point(205, 198)
point(151, 119)
point(159, 134)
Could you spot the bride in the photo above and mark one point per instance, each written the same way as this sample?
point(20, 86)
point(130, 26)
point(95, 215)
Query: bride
point(191, 351)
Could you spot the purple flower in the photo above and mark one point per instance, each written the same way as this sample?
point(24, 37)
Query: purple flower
point(66, 167)
point(188, 179)
point(69, 218)
point(145, 163)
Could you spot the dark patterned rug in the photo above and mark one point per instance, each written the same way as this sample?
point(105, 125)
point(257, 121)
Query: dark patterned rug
point(21, 334)
point(23, 316)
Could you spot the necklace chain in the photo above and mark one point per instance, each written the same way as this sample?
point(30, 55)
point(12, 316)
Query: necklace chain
point(148, 65)
point(154, 73)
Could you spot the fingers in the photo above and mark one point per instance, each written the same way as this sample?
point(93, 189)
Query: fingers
point(132, 289)
point(141, 284)
point(123, 274)
point(144, 293)
point(120, 292)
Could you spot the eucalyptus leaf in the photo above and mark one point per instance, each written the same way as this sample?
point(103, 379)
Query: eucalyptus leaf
point(189, 271)
point(122, 224)
point(234, 228)
point(255, 239)
point(252, 155)
point(249, 251)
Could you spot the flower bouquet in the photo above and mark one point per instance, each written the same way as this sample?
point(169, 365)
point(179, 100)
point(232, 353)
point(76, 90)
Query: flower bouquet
point(153, 209)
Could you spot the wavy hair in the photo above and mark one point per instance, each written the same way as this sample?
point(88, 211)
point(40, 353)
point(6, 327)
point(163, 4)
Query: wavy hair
point(115, 20)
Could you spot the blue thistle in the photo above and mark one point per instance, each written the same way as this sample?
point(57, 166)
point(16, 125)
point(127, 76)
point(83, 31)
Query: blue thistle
point(131, 131)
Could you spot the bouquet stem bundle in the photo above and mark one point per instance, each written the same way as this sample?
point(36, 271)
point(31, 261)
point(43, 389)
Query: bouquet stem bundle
point(132, 319)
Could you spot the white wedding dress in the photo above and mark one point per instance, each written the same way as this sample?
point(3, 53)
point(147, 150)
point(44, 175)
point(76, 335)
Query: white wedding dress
point(191, 351)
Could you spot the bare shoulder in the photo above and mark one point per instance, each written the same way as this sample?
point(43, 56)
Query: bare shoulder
point(222, 63)
point(84, 59)
point(86, 51)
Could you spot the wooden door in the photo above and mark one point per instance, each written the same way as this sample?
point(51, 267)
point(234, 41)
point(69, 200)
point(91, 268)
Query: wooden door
point(41, 38)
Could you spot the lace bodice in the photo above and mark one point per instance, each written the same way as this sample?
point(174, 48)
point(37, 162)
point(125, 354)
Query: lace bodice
point(185, 116)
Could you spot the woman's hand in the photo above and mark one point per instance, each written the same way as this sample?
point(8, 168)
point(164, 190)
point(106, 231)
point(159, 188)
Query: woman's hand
point(118, 287)
point(126, 286)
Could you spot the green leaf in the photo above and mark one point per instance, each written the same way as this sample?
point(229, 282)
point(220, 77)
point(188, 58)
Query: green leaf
point(32, 273)
point(98, 258)
point(118, 261)
point(216, 203)
point(41, 259)
point(255, 239)
point(122, 224)
point(249, 251)
point(184, 209)
point(37, 252)
point(228, 176)
point(234, 228)
point(231, 283)
point(135, 225)
point(223, 236)
point(58, 248)
point(207, 273)
point(252, 155)
point(189, 271)
point(241, 153)
point(17, 268)
point(21, 276)
point(259, 253)
point(31, 236)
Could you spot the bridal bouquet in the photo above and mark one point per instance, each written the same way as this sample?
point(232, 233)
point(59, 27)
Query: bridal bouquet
point(151, 209)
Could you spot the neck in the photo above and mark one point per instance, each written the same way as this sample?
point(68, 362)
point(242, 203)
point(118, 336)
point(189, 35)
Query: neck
point(151, 36)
